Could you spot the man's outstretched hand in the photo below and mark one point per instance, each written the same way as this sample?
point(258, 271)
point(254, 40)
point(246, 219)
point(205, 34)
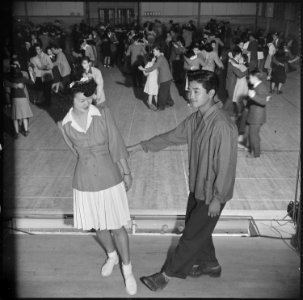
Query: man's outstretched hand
point(134, 148)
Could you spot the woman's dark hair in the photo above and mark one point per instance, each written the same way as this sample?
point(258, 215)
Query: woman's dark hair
point(181, 39)
point(209, 80)
point(37, 45)
point(85, 58)
point(269, 39)
point(149, 56)
point(159, 47)
point(190, 53)
point(87, 88)
point(150, 27)
point(256, 72)
point(208, 47)
point(236, 51)
point(15, 71)
point(48, 48)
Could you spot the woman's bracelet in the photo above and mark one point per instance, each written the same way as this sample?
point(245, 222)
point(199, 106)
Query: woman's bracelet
point(127, 173)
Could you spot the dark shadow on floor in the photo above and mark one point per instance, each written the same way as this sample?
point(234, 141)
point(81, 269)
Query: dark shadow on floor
point(59, 107)
point(8, 127)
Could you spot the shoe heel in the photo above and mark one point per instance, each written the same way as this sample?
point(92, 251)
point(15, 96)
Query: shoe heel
point(215, 274)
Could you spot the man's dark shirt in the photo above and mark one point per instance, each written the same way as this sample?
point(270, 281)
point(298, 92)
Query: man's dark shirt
point(212, 152)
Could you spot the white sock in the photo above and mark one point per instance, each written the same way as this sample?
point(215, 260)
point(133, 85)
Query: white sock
point(130, 281)
point(112, 254)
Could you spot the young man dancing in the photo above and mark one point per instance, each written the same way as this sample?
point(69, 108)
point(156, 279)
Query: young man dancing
point(212, 148)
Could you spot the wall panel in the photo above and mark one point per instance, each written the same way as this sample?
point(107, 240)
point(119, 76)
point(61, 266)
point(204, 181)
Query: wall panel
point(248, 8)
point(170, 8)
point(19, 8)
point(48, 8)
point(269, 10)
point(36, 9)
point(188, 8)
point(206, 9)
point(233, 8)
point(219, 8)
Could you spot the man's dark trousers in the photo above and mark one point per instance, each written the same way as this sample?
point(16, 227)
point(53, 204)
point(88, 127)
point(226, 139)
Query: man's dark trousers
point(254, 139)
point(47, 91)
point(195, 245)
point(164, 97)
point(137, 76)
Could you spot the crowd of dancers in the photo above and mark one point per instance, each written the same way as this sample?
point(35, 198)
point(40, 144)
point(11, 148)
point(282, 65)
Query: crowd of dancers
point(41, 60)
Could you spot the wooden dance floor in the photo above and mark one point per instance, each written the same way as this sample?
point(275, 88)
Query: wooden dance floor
point(38, 169)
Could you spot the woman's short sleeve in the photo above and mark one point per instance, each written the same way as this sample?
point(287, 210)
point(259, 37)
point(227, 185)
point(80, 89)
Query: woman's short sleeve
point(117, 146)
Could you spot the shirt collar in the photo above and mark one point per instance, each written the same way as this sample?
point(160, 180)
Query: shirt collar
point(212, 109)
point(256, 84)
point(92, 111)
point(90, 71)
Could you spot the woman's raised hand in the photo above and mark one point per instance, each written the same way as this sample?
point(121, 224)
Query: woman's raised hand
point(134, 148)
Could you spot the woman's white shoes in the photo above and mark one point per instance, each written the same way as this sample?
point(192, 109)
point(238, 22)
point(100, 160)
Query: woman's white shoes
point(130, 281)
point(108, 267)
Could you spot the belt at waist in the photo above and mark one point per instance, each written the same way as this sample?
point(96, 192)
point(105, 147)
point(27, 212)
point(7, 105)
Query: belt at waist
point(103, 149)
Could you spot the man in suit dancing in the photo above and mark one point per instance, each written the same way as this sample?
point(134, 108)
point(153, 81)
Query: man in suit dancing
point(259, 96)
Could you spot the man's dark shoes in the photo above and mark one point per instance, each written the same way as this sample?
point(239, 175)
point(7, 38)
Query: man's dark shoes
point(197, 271)
point(155, 282)
point(170, 103)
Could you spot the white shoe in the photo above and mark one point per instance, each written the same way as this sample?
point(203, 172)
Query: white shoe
point(240, 138)
point(130, 281)
point(108, 267)
point(241, 146)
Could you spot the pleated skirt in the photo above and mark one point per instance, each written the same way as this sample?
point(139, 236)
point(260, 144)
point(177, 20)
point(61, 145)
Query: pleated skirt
point(102, 210)
point(21, 109)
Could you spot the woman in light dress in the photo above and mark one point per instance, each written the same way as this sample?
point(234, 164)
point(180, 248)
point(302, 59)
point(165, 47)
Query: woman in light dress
point(101, 178)
point(21, 110)
point(151, 86)
point(241, 87)
point(268, 61)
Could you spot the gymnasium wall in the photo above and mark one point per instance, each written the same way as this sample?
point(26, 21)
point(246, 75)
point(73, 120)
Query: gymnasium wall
point(39, 12)
point(287, 20)
point(181, 12)
point(95, 6)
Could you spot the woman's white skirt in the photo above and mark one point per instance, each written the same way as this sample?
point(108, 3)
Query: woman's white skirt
point(241, 90)
point(106, 209)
